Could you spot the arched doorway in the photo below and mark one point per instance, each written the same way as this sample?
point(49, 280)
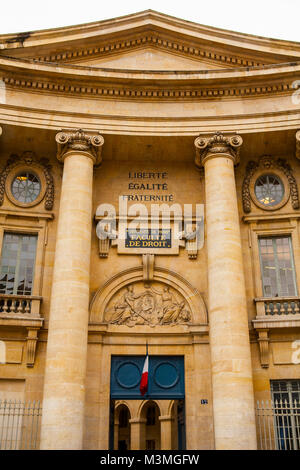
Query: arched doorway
point(122, 428)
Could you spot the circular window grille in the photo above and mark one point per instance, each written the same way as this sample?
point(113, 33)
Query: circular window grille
point(26, 187)
point(269, 190)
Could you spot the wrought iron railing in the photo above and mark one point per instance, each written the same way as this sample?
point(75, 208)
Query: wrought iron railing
point(19, 424)
point(278, 425)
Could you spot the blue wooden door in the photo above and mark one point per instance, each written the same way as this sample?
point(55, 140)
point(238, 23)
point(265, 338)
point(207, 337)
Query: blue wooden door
point(165, 378)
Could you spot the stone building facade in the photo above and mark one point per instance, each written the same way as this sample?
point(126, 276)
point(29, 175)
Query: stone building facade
point(140, 111)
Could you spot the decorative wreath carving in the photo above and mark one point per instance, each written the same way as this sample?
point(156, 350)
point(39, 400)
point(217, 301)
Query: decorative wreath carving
point(27, 161)
point(265, 164)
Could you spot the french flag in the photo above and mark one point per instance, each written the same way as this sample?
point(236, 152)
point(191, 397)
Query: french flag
point(144, 378)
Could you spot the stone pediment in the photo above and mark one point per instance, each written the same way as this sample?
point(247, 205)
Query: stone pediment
point(152, 40)
point(150, 59)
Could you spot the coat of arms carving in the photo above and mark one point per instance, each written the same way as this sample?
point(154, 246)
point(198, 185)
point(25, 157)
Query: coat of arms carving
point(147, 305)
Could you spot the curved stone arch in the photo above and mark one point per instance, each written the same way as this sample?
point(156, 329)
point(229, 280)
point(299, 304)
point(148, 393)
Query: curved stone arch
point(163, 275)
point(143, 406)
point(170, 407)
point(119, 405)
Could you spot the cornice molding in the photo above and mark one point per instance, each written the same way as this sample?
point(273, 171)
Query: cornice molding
point(149, 40)
point(149, 20)
point(169, 93)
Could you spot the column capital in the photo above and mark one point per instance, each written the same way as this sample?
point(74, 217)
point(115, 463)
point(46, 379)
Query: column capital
point(218, 144)
point(79, 141)
point(298, 145)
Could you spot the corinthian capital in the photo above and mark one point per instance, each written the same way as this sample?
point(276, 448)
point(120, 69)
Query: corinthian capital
point(79, 141)
point(298, 145)
point(215, 145)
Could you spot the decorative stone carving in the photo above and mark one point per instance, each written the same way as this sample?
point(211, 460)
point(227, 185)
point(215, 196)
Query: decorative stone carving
point(150, 305)
point(32, 339)
point(194, 238)
point(286, 169)
point(28, 159)
point(250, 170)
point(218, 143)
point(80, 141)
point(263, 341)
point(266, 163)
point(106, 237)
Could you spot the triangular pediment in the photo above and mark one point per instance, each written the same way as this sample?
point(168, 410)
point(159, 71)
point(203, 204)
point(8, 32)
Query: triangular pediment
point(150, 59)
point(148, 40)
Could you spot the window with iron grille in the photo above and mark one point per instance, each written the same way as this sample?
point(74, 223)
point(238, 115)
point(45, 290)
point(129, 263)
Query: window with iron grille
point(286, 403)
point(277, 267)
point(17, 264)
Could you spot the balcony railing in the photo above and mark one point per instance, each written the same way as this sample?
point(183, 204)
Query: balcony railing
point(21, 305)
point(277, 306)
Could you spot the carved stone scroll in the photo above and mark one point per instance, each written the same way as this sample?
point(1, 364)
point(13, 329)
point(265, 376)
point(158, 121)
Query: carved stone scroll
point(32, 339)
point(80, 141)
point(263, 341)
point(217, 144)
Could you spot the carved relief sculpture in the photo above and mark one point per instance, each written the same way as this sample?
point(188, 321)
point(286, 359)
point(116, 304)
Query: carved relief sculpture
point(147, 305)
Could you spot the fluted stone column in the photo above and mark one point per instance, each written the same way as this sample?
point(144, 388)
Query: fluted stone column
point(64, 393)
point(233, 401)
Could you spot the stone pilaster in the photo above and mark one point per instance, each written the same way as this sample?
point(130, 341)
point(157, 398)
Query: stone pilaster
point(165, 432)
point(233, 401)
point(137, 434)
point(64, 390)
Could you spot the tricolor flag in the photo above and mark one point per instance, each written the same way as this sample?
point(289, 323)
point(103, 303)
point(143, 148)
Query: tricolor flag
point(144, 378)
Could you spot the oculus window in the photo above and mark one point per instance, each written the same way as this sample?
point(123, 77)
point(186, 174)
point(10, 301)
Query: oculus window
point(269, 190)
point(26, 187)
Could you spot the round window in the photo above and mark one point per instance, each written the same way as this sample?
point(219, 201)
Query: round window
point(26, 187)
point(269, 190)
